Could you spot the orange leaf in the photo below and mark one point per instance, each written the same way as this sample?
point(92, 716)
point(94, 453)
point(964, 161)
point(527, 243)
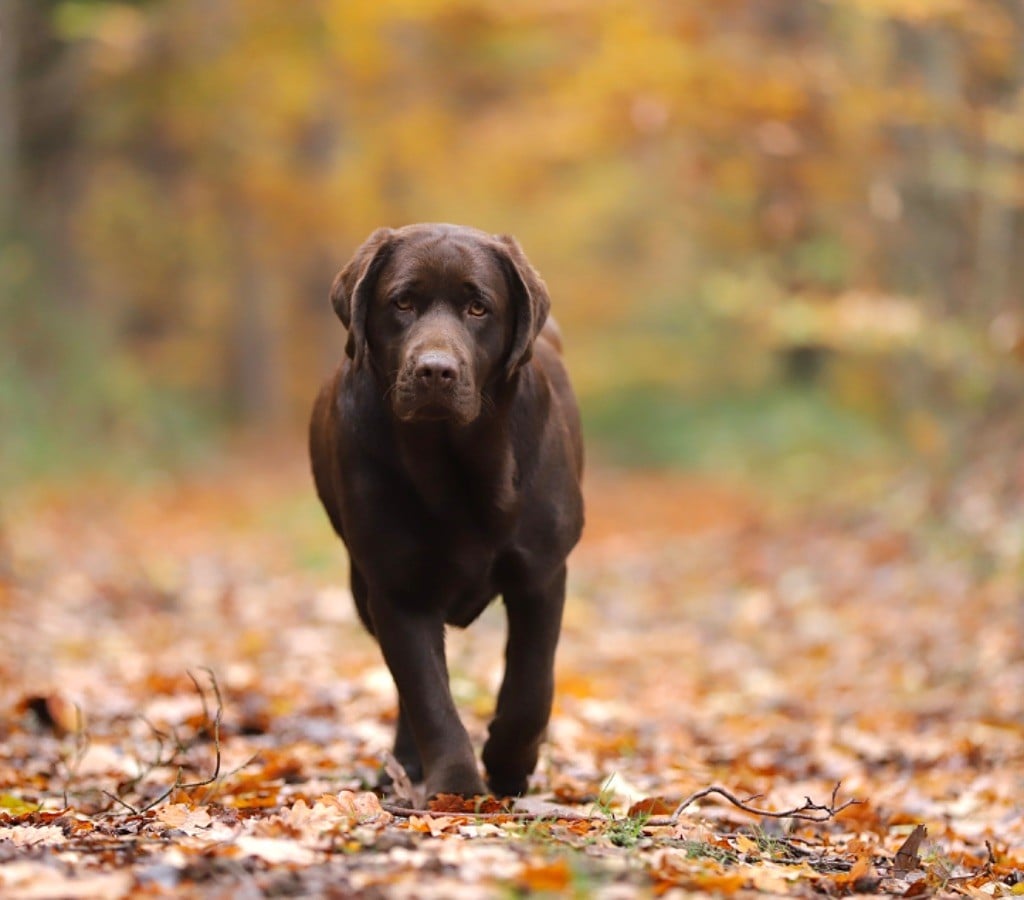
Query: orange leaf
point(549, 876)
point(456, 803)
point(651, 806)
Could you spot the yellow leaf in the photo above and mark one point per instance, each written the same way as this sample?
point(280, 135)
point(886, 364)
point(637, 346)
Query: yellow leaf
point(15, 806)
point(744, 844)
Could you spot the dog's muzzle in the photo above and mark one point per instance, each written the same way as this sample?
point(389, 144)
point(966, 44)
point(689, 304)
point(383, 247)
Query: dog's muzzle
point(434, 385)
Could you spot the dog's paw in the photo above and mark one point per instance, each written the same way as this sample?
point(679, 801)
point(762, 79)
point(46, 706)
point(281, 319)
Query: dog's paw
point(454, 779)
point(508, 764)
point(508, 786)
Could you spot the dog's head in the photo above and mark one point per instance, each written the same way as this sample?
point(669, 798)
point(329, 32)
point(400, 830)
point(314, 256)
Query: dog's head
point(442, 313)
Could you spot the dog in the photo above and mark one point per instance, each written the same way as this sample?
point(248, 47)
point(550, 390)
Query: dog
point(447, 453)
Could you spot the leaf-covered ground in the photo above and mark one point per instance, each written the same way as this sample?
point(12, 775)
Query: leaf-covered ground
point(188, 706)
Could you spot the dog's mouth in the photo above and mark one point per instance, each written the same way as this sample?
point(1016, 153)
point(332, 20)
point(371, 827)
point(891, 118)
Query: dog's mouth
point(414, 406)
point(428, 412)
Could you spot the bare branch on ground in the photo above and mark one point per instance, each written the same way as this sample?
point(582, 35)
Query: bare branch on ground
point(808, 812)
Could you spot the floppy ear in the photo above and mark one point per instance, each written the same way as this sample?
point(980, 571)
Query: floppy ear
point(353, 286)
point(530, 301)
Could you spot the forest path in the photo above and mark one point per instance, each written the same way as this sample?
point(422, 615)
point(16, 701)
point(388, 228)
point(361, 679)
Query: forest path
point(708, 641)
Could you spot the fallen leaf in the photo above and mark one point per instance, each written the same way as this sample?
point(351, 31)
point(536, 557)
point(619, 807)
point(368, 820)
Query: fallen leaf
point(437, 825)
point(30, 880)
point(546, 876)
point(15, 806)
point(364, 807)
point(651, 806)
point(541, 808)
point(55, 712)
point(907, 858)
point(31, 835)
point(403, 786)
point(451, 803)
point(275, 850)
point(190, 820)
point(744, 844)
point(918, 888)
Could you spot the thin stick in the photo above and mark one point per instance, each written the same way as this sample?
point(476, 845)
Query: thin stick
point(120, 802)
point(809, 812)
point(192, 785)
point(560, 816)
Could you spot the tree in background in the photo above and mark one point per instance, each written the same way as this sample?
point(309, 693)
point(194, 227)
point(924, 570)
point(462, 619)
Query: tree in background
point(744, 180)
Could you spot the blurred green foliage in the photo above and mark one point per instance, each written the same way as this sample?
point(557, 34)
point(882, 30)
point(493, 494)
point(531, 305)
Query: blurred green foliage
point(71, 402)
point(793, 436)
point(773, 229)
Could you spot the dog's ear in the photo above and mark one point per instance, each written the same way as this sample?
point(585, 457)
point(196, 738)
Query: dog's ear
point(530, 301)
point(353, 286)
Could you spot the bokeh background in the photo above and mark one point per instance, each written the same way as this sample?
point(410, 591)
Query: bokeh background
point(783, 237)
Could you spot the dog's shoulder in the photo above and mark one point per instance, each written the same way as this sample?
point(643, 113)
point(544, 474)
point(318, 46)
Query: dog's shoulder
point(550, 334)
point(323, 446)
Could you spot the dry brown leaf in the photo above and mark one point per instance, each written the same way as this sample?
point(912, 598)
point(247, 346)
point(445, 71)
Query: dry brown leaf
point(452, 803)
point(30, 880)
point(31, 835)
point(860, 879)
point(54, 711)
point(777, 708)
point(403, 786)
point(651, 806)
point(907, 858)
point(362, 807)
point(188, 819)
point(919, 888)
point(438, 825)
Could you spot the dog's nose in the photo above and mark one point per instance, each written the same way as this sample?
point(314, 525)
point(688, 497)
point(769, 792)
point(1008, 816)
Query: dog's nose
point(436, 368)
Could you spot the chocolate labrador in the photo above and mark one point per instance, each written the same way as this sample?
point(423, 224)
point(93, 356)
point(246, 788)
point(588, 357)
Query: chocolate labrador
point(446, 451)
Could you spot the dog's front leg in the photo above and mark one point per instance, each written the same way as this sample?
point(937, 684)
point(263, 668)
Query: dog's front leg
point(527, 689)
point(413, 646)
point(405, 749)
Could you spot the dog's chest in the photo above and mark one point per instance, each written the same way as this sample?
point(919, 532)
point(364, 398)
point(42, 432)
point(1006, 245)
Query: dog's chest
point(464, 492)
point(452, 570)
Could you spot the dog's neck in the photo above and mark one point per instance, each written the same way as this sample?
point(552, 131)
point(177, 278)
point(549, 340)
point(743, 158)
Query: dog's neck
point(452, 466)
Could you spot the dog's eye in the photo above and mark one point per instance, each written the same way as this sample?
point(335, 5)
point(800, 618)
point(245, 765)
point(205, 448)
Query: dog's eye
point(476, 308)
point(402, 302)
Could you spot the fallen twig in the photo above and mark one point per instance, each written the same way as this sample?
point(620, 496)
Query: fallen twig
point(180, 748)
point(808, 812)
point(560, 815)
point(192, 785)
point(73, 761)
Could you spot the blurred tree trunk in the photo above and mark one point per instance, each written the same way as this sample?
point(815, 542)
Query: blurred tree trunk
point(40, 82)
point(998, 208)
point(9, 10)
point(255, 337)
point(995, 235)
point(946, 262)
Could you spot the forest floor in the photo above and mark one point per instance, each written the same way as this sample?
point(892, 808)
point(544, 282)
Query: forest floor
point(188, 706)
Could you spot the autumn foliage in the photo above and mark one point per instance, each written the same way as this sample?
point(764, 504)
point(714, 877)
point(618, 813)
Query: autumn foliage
point(783, 242)
point(187, 702)
point(788, 185)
